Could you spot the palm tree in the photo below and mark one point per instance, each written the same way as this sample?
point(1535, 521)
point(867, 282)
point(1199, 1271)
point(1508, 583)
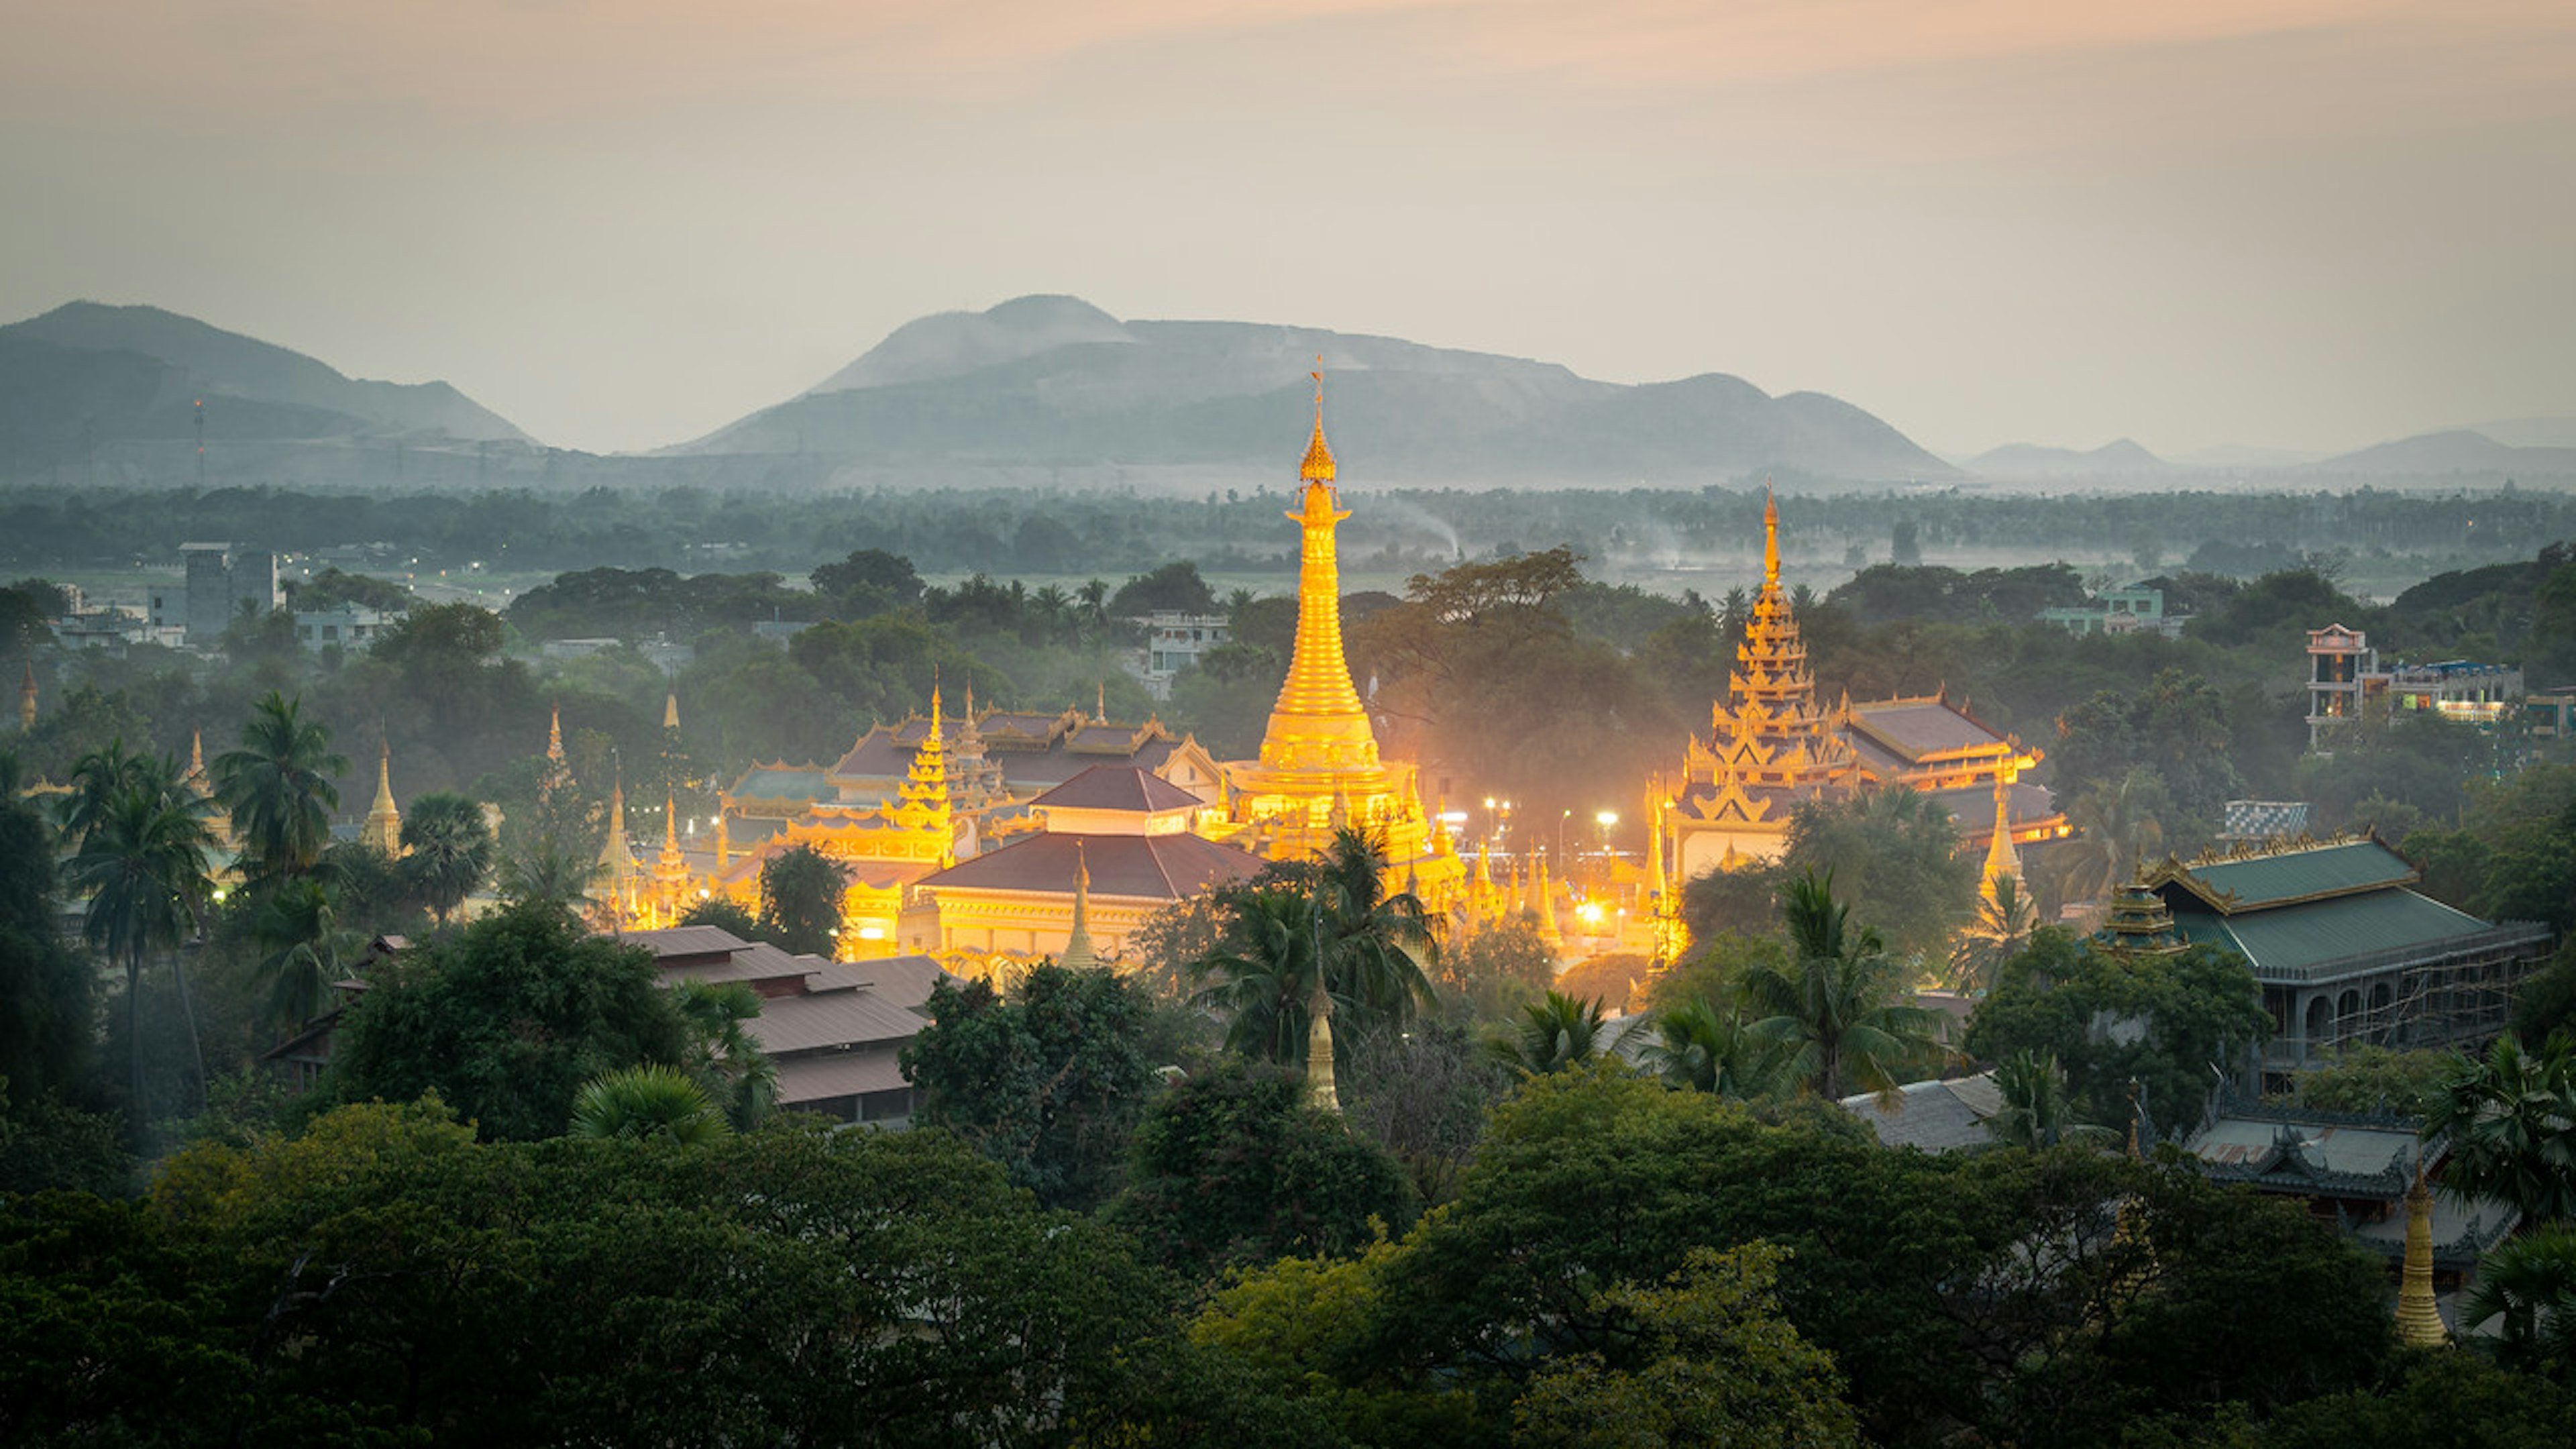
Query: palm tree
point(298, 924)
point(1559, 1031)
point(1373, 946)
point(2117, 826)
point(142, 863)
point(730, 1065)
point(2036, 1112)
point(550, 878)
point(278, 788)
point(447, 850)
point(2528, 1288)
point(97, 779)
point(647, 1103)
point(1706, 1049)
point(1094, 597)
point(1837, 1004)
point(2512, 1123)
point(2005, 919)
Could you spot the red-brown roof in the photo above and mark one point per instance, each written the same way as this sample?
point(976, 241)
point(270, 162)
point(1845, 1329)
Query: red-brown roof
point(1146, 867)
point(1118, 787)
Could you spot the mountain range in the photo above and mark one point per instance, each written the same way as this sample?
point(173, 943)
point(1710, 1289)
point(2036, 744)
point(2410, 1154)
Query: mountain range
point(1053, 386)
point(87, 374)
point(1056, 382)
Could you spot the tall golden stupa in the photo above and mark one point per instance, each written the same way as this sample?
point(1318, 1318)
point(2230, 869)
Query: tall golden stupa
point(1319, 766)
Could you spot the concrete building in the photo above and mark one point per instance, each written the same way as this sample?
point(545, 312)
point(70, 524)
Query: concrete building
point(1175, 640)
point(216, 584)
point(2346, 680)
point(2136, 609)
point(349, 628)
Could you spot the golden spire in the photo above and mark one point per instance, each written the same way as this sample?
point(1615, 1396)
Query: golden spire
point(2419, 1322)
point(1078, 954)
point(925, 789)
point(554, 735)
point(1318, 723)
point(1318, 466)
point(383, 830)
point(1770, 535)
point(2001, 859)
point(1320, 1093)
point(671, 710)
point(670, 827)
point(27, 697)
point(197, 756)
point(616, 861)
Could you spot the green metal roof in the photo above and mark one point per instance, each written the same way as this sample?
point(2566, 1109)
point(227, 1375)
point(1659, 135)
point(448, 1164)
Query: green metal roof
point(2286, 941)
point(2257, 882)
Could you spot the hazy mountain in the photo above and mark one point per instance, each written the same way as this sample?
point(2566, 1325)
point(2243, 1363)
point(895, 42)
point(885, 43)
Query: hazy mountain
point(86, 375)
point(1055, 382)
point(2029, 460)
point(2530, 432)
point(2242, 455)
point(2456, 451)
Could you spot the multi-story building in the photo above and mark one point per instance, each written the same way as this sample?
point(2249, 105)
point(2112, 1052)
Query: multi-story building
point(2345, 680)
point(1175, 640)
point(216, 585)
point(2136, 609)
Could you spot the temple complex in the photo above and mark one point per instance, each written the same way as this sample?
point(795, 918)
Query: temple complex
point(1772, 746)
point(1319, 767)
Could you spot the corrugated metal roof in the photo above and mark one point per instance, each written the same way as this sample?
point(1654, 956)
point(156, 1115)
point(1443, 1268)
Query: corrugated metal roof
point(1118, 787)
point(2290, 939)
point(2260, 881)
point(1147, 867)
point(837, 1074)
point(789, 1024)
point(1934, 1116)
point(1919, 727)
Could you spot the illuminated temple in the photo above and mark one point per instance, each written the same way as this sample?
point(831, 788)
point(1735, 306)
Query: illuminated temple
point(1319, 766)
point(1772, 746)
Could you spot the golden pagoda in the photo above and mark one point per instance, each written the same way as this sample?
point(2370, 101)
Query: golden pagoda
point(382, 831)
point(1319, 765)
point(671, 869)
point(2419, 1320)
point(2002, 861)
point(617, 862)
point(1078, 953)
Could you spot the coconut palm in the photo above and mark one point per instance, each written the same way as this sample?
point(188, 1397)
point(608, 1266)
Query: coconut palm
point(1708, 1049)
point(2036, 1112)
point(2005, 919)
point(730, 1065)
point(97, 779)
point(1558, 1031)
point(278, 788)
point(1837, 1005)
point(2511, 1119)
point(142, 863)
point(447, 850)
point(2527, 1288)
point(647, 1103)
point(1263, 978)
point(1377, 942)
point(298, 927)
point(2117, 828)
point(1373, 946)
point(548, 877)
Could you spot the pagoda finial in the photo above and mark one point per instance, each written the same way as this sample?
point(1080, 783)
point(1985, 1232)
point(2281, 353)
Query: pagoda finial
point(554, 735)
point(1320, 1092)
point(2001, 859)
point(197, 755)
point(383, 828)
point(1318, 466)
point(1079, 954)
point(1770, 534)
point(671, 710)
point(1100, 701)
point(2419, 1321)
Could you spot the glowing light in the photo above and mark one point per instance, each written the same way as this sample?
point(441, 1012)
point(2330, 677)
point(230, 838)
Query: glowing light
point(1590, 912)
point(1606, 819)
point(871, 933)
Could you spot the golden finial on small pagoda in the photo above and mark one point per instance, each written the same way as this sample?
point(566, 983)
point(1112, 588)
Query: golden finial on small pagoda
point(1318, 467)
point(2419, 1320)
point(1770, 534)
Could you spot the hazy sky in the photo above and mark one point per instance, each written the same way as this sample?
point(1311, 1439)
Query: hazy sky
point(2307, 223)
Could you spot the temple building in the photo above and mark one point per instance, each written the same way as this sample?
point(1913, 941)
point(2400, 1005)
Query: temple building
point(1319, 768)
point(2346, 950)
point(1116, 844)
point(1772, 746)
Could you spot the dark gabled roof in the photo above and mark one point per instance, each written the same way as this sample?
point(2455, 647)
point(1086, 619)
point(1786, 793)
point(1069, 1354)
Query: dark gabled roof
point(2264, 878)
point(1118, 787)
point(685, 945)
point(783, 782)
point(1934, 1116)
point(1135, 867)
point(823, 1076)
point(829, 1021)
point(1913, 728)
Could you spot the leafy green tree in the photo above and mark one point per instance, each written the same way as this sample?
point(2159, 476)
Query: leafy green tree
point(1895, 856)
point(447, 851)
point(1716, 1364)
point(1999, 931)
point(2179, 725)
point(1423, 1094)
point(1232, 1168)
point(2109, 1017)
point(46, 989)
point(2118, 827)
point(651, 1103)
point(1838, 1006)
point(2375, 1079)
point(2511, 1119)
point(1049, 1084)
point(801, 890)
point(1708, 1048)
point(505, 1020)
point(278, 788)
point(724, 913)
point(2434, 1401)
point(1175, 585)
point(1502, 964)
point(548, 878)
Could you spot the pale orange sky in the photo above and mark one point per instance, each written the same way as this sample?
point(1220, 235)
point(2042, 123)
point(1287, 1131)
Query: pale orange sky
point(2311, 223)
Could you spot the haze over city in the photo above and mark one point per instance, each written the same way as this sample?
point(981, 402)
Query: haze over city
point(2308, 224)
